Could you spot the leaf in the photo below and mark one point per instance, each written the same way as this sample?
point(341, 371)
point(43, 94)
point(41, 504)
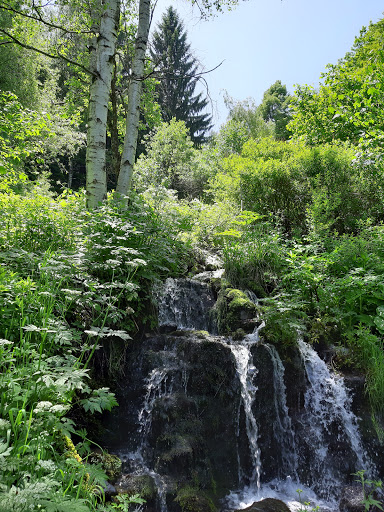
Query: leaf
point(379, 322)
point(100, 400)
point(65, 505)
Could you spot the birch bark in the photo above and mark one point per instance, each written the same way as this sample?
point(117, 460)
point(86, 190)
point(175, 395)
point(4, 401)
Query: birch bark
point(134, 93)
point(102, 63)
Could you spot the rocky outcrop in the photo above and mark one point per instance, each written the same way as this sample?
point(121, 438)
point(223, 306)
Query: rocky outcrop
point(267, 505)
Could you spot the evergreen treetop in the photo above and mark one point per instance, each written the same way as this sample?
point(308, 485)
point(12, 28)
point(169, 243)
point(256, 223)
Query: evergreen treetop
point(178, 72)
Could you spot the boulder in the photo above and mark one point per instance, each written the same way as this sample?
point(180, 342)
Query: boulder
point(351, 499)
point(267, 505)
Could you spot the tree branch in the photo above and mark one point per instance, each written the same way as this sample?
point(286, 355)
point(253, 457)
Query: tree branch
point(40, 19)
point(171, 76)
point(50, 55)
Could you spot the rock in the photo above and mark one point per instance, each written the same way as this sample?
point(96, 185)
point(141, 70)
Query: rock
point(109, 491)
point(143, 485)
point(351, 499)
point(111, 464)
point(191, 499)
point(234, 310)
point(208, 275)
point(267, 505)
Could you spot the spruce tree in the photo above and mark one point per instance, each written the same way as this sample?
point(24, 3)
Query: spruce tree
point(177, 71)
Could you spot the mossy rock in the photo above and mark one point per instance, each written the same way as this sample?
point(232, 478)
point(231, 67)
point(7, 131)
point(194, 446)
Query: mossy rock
point(143, 485)
point(111, 464)
point(239, 334)
point(267, 505)
point(234, 310)
point(179, 447)
point(192, 499)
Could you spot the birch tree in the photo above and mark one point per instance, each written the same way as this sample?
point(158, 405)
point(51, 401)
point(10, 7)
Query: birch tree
point(134, 94)
point(102, 62)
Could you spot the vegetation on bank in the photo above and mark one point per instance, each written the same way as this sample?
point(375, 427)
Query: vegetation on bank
point(299, 222)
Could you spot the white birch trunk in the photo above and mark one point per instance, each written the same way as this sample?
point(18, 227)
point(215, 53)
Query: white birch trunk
point(134, 94)
point(102, 64)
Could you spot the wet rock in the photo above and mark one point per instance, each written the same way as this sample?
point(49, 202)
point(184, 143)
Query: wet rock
point(191, 499)
point(235, 310)
point(193, 429)
point(351, 499)
point(267, 505)
point(144, 485)
point(185, 304)
point(111, 464)
point(209, 275)
point(109, 491)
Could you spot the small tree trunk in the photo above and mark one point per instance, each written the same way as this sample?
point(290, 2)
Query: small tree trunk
point(134, 93)
point(70, 173)
point(102, 63)
point(114, 131)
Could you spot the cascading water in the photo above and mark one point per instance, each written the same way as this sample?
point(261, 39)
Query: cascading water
point(329, 423)
point(282, 427)
point(246, 372)
point(158, 384)
point(185, 304)
point(203, 392)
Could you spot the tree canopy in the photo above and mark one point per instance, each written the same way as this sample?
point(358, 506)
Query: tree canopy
point(178, 74)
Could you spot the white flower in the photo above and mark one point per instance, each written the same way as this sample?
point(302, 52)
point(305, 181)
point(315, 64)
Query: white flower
point(43, 406)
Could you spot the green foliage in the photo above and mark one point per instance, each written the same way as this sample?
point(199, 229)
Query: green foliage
point(40, 379)
point(21, 131)
point(347, 105)
point(317, 189)
point(247, 114)
point(253, 260)
point(69, 282)
point(276, 107)
point(230, 139)
point(304, 506)
point(369, 489)
point(124, 502)
point(169, 159)
point(267, 180)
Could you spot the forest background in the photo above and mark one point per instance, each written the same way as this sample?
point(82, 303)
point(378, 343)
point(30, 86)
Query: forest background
point(289, 193)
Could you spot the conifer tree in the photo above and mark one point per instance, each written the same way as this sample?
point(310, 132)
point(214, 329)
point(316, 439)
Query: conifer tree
point(178, 73)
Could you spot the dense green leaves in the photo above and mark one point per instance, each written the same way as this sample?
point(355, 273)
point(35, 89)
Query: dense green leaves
point(347, 105)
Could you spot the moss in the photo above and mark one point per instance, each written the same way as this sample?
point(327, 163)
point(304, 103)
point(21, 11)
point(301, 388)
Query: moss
point(239, 334)
point(202, 335)
point(192, 499)
point(143, 485)
point(180, 446)
point(238, 299)
point(234, 310)
point(111, 464)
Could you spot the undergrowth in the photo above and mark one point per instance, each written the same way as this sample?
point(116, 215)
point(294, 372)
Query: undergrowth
point(71, 283)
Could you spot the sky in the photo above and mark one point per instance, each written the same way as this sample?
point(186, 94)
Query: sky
point(261, 41)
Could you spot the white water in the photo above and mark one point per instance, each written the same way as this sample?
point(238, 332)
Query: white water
point(185, 304)
point(282, 428)
point(246, 372)
point(328, 407)
point(158, 384)
point(327, 403)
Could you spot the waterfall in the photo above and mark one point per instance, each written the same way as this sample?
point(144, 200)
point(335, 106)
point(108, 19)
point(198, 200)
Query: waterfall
point(246, 372)
point(158, 385)
point(328, 421)
point(284, 426)
point(186, 304)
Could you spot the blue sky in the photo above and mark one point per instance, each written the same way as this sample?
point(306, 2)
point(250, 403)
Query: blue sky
point(261, 41)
